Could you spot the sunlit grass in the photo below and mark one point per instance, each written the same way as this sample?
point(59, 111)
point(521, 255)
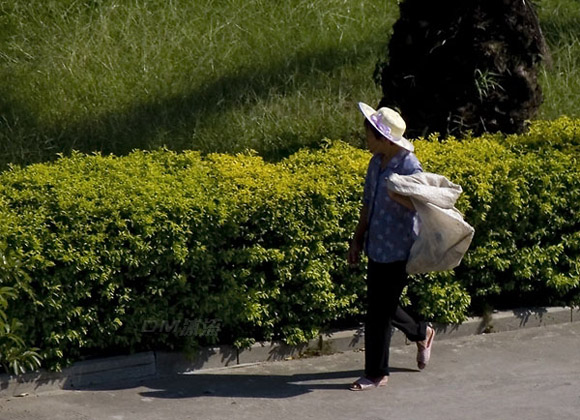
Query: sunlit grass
point(560, 80)
point(212, 75)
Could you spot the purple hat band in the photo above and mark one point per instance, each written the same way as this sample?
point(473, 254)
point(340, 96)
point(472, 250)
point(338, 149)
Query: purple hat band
point(382, 127)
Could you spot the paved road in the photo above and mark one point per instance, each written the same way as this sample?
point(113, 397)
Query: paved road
point(526, 374)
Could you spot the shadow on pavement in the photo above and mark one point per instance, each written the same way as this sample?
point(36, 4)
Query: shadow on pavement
point(243, 385)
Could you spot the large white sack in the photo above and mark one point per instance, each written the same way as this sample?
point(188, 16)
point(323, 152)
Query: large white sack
point(443, 236)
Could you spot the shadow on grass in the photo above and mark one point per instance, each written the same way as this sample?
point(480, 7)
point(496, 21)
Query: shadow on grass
point(177, 117)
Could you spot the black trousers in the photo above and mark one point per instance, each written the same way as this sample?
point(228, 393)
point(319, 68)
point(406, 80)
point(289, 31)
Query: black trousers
point(385, 284)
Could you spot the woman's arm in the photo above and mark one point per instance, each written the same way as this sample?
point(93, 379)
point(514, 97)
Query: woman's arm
point(357, 243)
point(402, 200)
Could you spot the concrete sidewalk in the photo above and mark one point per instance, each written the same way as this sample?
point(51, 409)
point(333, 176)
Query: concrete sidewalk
point(529, 374)
point(152, 364)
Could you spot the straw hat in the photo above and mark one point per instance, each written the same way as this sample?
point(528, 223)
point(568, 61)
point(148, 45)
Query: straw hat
point(389, 123)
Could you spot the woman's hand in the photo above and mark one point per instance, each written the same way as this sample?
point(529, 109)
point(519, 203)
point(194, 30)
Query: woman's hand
point(354, 251)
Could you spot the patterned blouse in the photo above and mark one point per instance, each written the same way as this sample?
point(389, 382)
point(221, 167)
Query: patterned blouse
point(391, 230)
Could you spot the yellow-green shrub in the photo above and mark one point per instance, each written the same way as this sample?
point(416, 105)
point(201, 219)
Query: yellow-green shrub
point(94, 246)
point(99, 245)
point(522, 195)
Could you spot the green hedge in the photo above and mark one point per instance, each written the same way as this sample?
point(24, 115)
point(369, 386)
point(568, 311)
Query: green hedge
point(95, 247)
point(522, 196)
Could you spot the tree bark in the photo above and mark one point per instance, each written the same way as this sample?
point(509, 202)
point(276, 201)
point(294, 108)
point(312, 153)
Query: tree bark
point(459, 66)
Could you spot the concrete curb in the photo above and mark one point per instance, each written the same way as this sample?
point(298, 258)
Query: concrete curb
point(134, 368)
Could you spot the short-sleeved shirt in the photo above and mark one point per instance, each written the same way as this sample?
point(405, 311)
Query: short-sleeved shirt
point(391, 228)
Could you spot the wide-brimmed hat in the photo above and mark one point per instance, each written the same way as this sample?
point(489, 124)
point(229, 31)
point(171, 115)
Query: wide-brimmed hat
point(389, 123)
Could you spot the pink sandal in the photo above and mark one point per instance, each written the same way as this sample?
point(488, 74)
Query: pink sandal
point(424, 349)
point(363, 383)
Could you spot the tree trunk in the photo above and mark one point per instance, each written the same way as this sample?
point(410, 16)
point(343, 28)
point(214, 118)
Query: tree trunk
point(464, 65)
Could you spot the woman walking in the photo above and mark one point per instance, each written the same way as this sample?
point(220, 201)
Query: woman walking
point(386, 231)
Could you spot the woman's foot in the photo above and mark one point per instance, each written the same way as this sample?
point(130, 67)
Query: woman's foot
point(424, 349)
point(364, 383)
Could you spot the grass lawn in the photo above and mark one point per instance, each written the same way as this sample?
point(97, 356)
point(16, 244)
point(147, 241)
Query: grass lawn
point(212, 75)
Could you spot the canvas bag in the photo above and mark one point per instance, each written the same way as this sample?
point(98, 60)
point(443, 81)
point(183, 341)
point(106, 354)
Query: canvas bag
point(444, 236)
